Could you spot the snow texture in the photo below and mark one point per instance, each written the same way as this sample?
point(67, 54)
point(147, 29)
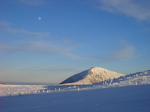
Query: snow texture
point(93, 75)
point(11, 90)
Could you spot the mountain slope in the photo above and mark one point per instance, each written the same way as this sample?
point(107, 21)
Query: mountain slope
point(138, 78)
point(93, 75)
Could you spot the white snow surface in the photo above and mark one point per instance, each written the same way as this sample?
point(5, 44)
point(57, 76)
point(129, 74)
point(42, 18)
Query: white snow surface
point(93, 75)
point(130, 93)
point(9, 90)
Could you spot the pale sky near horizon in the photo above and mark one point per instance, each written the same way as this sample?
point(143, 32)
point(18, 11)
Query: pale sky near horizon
point(49, 40)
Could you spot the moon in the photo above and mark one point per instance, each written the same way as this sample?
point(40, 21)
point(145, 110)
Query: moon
point(39, 18)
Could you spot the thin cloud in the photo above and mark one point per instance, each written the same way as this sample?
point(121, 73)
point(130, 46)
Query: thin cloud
point(125, 53)
point(38, 44)
point(138, 9)
point(6, 27)
point(57, 69)
point(39, 47)
point(34, 47)
point(75, 57)
point(36, 34)
point(4, 24)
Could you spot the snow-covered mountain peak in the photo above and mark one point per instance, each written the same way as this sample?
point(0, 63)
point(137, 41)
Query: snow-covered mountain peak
point(97, 69)
point(93, 75)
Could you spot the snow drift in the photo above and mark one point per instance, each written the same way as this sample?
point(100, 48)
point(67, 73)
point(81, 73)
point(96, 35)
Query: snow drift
point(93, 75)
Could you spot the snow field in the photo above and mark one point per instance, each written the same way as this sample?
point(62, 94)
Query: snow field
point(12, 90)
point(119, 99)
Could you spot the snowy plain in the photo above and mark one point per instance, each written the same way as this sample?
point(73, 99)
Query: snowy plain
point(129, 93)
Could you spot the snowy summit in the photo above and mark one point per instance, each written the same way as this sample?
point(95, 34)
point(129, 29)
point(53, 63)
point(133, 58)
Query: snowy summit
point(93, 75)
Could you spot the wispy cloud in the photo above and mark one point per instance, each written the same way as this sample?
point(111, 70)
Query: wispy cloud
point(39, 47)
point(127, 52)
point(38, 44)
point(76, 57)
point(4, 24)
point(54, 69)
point(6, 27)
point(139, 9)
point(25, 32)
point(33, 47)
point(32, 2)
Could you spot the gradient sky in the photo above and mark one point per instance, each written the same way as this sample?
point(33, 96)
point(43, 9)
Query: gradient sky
point(50, 40)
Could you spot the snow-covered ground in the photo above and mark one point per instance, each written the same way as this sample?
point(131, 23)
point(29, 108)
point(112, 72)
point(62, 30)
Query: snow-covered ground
point(129, 93)
point(9, 90)
point(120, 99)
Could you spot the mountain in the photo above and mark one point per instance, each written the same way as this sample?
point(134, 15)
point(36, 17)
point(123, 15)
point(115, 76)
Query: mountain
point(93, 75)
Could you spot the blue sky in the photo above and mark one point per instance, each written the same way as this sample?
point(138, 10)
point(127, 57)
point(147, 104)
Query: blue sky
point(50, 40)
